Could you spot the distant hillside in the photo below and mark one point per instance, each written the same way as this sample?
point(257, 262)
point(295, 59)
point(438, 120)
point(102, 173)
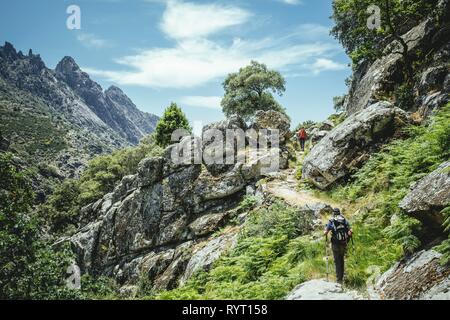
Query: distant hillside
point(57, 120)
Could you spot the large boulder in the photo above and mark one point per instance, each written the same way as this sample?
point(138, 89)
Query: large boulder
point(211, 141)
point(162, 268)
point(350, 144)
point(211, 187)
point(429, 196)
point(205, 256)
point(433, 78)
point(217, 146)
point(434, 85)
point(321, 289)
point(273, 120)
point(269, 121)
point(374, 79)
point(317, 135)
point(419, 277)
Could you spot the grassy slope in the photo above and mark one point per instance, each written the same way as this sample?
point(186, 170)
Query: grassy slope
point(268, 264)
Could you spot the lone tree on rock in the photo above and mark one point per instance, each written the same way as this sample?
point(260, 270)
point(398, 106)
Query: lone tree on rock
point(173, 119)
point(251, 90)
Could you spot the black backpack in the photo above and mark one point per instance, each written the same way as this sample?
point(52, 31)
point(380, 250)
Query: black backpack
point(340, 230)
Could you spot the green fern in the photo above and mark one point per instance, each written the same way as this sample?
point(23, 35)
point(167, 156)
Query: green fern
point(444, 247)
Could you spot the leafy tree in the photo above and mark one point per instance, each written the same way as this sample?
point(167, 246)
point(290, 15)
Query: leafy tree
point(29, 267)
point(338, 103)
point(173, 119)
point(251, 90)
point(364, 43)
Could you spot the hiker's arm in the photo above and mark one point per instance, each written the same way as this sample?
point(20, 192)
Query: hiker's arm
point(350, 230)
point(327, 229)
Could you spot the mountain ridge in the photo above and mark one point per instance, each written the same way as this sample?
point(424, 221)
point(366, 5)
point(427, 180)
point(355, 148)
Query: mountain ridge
point(61, 118)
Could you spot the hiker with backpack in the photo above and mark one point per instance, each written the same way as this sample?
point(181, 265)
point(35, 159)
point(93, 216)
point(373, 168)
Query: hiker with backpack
point(341, 233)
point(302, 137)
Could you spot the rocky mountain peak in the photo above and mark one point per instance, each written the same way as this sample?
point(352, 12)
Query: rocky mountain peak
point(114, 89)
point(67, 66)
point(8, 50)
point(69, 71)
point(116, 94)
point(32, 63)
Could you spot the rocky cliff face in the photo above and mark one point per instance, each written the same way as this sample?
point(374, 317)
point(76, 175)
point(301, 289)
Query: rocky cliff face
point(159, 223)
point(372, 121)
point(431, 83)
point(348, 145)
point(113, 107)
point(420, 277)
point(61, 118)
point(372, 117)
point(427, 198)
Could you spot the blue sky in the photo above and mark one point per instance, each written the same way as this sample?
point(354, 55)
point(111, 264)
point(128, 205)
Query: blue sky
point(160, 51)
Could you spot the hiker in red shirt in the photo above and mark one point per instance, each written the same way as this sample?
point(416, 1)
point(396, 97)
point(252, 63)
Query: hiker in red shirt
point(302, 136)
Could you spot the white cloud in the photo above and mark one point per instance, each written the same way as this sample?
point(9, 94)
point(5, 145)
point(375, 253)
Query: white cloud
point(312, 31)
point(323, 64)
point(291, 2)
point(183, 20)
point(92, 41)
point(195, 60)
point(210, 102)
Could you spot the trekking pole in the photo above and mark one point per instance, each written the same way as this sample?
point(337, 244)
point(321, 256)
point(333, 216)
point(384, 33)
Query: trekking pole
point(353, 249)
point(326, 255)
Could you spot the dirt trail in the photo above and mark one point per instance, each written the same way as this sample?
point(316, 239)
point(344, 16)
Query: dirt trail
point(286, 187)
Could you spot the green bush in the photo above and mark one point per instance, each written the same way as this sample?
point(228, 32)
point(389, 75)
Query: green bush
point(98, 288)
point(61, 209)
point(278, 220)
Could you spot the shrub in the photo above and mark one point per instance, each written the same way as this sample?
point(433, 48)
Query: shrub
point(61, 209)
point(279, 219)
point(404, 96)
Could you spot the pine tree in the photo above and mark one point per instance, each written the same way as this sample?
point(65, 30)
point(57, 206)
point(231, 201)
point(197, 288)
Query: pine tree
point(173, 119)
